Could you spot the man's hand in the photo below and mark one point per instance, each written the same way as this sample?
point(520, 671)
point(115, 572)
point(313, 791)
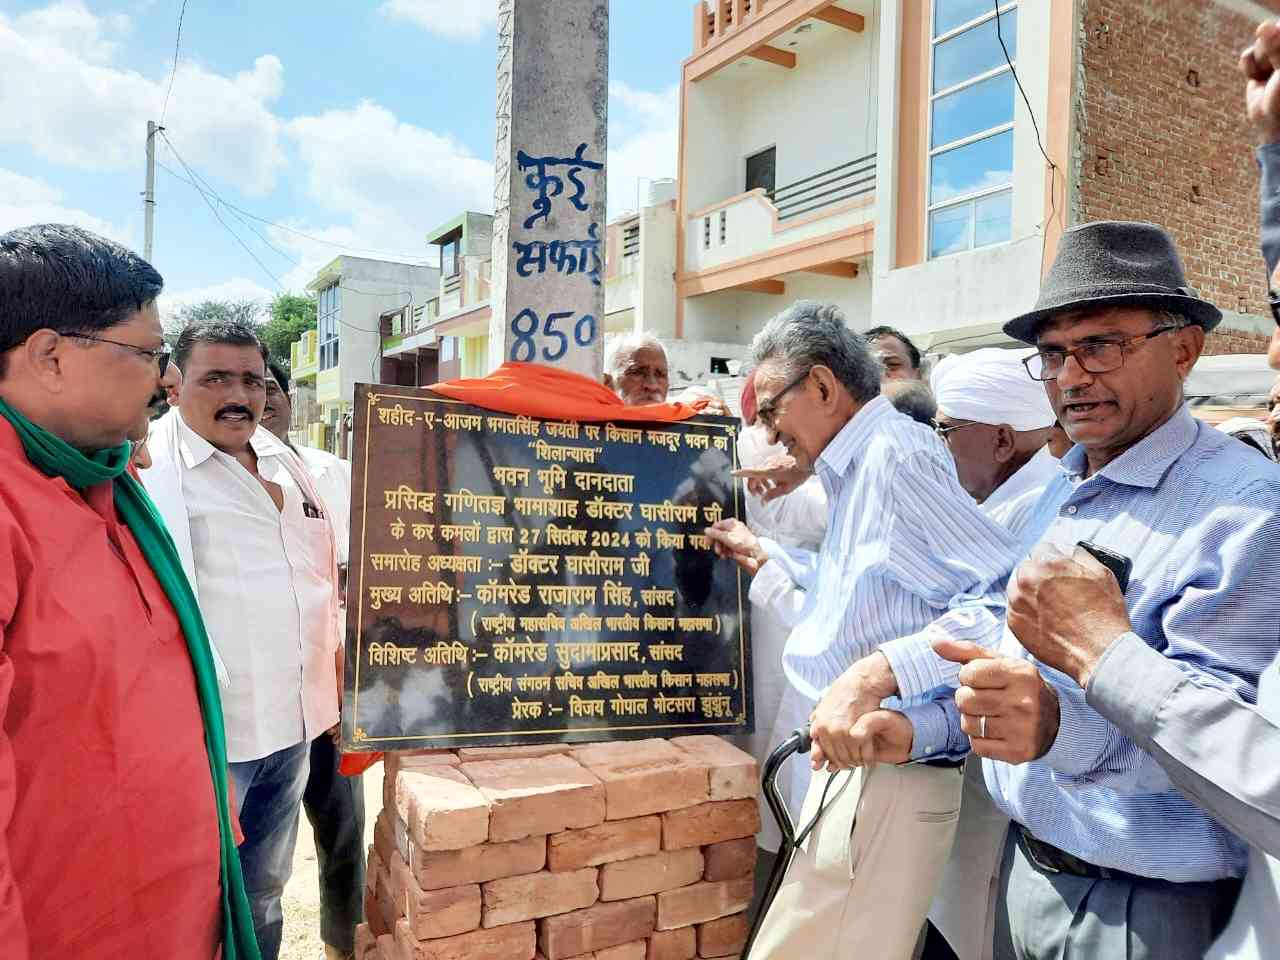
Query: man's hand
point(883, 736)
point(774, 478)
point(855, 694)
point(1260, 64)
point(1066, 610)
point(716, 407)
point(733, 539)
point(1008, 710)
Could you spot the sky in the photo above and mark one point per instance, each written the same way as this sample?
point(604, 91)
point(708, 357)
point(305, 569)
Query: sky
point(328, 126)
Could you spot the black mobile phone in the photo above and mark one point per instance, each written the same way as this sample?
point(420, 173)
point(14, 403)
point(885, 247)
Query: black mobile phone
point(1119, 565)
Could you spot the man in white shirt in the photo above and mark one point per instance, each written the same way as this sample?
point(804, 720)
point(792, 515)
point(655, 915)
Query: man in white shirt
point(996, 422)
point(334, 804)
point(260, 554)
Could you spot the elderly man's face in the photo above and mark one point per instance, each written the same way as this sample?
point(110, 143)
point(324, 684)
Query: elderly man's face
point(975, 447)
point(893, 356)
point(1273, 412)
point(787, 408)
point(1109, 412)
point(643, 377)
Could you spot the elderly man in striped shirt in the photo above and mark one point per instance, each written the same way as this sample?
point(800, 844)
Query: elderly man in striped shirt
point(907, 556)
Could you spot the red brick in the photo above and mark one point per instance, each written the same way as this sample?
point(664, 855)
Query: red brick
point(702, 902)
point(515, 941)
point(645, 875)
point(645, 776)
point(390, 835)
point(730, 859)
point(545, 795)
point(635, 950)
point(596, 927)
point(373, 863)
point(724, 937)
point(610, 841)
point(387, 949)
point(678, 944)
point(734, 774)
point(710, 823)
point(489, 861)
point(442, 809)
point(471, 754)
point(538, 895)
point(435, 913)
point(366, 942)
point(412, 761)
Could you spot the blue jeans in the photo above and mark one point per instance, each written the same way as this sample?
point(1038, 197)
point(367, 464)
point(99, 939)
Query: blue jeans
point(335, 807)
point(268, 795)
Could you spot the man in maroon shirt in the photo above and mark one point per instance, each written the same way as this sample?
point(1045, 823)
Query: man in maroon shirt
point(109, 834)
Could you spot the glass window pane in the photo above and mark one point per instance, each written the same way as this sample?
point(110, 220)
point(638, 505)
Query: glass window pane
point(949, 230)
point(974, 109)
point(975, 166)
point(949, 14)
point(993, 219)
point(974, 51)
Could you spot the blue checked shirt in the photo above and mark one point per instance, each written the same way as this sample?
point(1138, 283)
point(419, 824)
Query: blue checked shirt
point(1199, 514)
point(908, 556)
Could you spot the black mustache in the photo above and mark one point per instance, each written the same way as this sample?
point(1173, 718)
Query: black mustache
point(234, 408)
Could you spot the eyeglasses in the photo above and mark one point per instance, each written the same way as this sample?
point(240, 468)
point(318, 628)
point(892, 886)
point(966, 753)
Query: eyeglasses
point(945, 432)
point(160, 357)
point(767, 412)
point(1098, 356)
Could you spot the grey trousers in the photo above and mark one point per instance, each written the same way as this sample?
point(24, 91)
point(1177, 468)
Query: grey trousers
point(1058, 916)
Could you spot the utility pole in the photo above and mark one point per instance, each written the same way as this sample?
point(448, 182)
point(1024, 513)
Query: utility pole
point(149, 197)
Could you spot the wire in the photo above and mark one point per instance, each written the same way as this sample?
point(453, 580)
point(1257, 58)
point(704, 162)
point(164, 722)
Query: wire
point(177, 45)
point(280, 226)
point(214, 210)
point(1053, 167)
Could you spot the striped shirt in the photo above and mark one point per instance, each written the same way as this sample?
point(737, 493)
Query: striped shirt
point(1199, 514)
point(908, 556)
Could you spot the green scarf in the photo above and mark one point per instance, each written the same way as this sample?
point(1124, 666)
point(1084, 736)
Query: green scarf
point(55, 458)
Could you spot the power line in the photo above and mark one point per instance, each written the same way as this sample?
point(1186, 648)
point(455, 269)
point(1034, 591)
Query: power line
point(214, 210)
point(177, 45)
point(288, 229)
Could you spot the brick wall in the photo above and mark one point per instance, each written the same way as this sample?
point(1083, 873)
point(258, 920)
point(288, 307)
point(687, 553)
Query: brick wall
point(1228, 340)
point(1161, 136)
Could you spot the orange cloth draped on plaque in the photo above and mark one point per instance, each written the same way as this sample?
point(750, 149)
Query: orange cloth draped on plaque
point(547, 393)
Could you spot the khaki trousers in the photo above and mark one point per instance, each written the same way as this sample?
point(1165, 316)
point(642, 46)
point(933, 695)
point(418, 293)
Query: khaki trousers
point(861, 883)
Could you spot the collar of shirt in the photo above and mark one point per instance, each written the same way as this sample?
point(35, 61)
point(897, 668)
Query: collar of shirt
point(195, 449)
point(1147, 461)
point(838, 455)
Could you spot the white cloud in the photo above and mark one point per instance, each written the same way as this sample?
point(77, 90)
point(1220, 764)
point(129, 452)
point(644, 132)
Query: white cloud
point(384, 181)
point(25, 201)
point(63, 95)
point(468, 19)
point(239, 288)
point(643, 141)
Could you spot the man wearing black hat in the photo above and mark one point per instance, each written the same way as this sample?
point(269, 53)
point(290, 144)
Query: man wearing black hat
point(1106, 856)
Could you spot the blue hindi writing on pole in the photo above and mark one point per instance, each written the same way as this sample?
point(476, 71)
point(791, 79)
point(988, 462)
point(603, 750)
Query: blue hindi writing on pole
point(525, 325)
point(549, 185)
point(564, 256)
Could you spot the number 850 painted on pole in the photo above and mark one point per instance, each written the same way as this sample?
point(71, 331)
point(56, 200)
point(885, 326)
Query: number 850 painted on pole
point(525, 327)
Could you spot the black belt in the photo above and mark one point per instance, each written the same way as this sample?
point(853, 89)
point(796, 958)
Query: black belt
point(944, 763)
point(1050, 859)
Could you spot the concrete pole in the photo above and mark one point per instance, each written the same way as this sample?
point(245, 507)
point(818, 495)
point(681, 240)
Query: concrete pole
point(549, 196)
point(149, 197)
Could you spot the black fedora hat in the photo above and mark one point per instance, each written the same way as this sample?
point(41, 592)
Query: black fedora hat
point(1114, 263)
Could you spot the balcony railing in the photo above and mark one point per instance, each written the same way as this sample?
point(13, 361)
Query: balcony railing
point(835, 185)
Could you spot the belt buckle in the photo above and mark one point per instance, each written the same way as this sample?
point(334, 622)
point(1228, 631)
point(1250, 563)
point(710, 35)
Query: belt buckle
point(1029, 851)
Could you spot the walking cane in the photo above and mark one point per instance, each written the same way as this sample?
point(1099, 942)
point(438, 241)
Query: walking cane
point(798, 742)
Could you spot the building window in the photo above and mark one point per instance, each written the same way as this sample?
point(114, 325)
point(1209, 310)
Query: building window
point(449, 256)
point(328, 322)
point(760, 171)
point(971, 125)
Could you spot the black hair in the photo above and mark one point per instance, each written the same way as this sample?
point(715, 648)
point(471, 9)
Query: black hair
point(227, 332)
point(281, 377)
point(54, 276)
point(875, 333)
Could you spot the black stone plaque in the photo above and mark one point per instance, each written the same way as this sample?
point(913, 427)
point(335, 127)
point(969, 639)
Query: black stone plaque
point(516, 580)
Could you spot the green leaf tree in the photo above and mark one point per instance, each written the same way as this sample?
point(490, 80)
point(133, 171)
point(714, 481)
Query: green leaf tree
point(292, 315)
